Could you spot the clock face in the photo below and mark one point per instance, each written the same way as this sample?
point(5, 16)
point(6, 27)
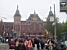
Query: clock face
point(34, 18)
point(51, 19)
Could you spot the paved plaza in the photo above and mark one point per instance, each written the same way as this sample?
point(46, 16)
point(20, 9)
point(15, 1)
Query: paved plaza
point(6, 47)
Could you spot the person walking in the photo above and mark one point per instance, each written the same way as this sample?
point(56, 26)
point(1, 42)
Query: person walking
point(26, 43)
point(55, 47)
point(50, 46)
point(30, 46)
point(42, 45)
point(63, 47)
point(37, 42)
point(21, 45)
point(17, 43)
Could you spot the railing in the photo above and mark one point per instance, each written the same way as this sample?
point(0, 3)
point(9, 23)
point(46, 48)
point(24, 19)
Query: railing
point(35, 35)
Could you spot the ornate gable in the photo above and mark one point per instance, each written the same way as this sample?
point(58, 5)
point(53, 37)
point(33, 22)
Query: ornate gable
point(34, 17)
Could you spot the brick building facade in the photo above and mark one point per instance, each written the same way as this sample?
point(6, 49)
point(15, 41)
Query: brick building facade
point(33, 25)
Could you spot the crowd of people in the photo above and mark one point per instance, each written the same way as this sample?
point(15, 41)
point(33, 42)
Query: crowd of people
point(28, 44)
point(37, 44)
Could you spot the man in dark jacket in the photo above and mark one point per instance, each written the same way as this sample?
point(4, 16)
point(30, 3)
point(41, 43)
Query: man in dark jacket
point(55, 47)
point(21, 46)
point(63, 47)
point(36, 41)
point(42, 44)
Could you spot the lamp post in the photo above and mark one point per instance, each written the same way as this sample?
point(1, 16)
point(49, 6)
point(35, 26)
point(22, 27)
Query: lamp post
point(55, 25)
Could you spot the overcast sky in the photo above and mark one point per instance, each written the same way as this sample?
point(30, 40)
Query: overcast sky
point(26, 7)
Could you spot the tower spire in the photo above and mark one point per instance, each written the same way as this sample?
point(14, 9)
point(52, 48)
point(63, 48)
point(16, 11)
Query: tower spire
point(50, 8)
point(17, 12)
point(54, 9)
point(50, 12)
point(17, 6)
point(34, 12)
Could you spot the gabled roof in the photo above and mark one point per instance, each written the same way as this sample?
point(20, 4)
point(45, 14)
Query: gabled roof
point(34, 17)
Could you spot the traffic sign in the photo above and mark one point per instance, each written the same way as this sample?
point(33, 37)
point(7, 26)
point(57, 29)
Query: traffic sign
point(63, 5)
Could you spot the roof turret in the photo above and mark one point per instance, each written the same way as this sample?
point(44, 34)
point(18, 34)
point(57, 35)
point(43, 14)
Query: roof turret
point(17, 12)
